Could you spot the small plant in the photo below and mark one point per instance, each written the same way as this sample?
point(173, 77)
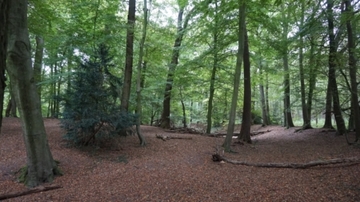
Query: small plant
point(90, 110)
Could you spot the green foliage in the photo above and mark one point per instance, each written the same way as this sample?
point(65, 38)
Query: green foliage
point(90, 112)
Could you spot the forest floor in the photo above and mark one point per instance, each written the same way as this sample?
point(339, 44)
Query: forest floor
point(183, 170)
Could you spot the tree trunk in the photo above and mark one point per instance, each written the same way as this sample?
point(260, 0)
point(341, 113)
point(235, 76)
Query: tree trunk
point(215, 35)
point(341, 129)
point(267, 97)
point(264, 113)
point(287, 108)
point(304, 107)
point(246, 116)
point(3, 45)
point(355, 112)
point(239, 60)
point(140, 77)
point(40, 164)
point(125, 95)
point(165, 116)
point(38, 62)
point(328, 106)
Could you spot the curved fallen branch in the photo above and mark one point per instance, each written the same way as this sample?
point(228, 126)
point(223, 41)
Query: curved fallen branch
point(29, 191)
point(217, 157)
point(164, 137)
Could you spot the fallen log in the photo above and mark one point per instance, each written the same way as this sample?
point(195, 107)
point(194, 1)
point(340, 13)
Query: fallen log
point(355, 160)
point(29, 191)
point(237, 134)
point(164, 137)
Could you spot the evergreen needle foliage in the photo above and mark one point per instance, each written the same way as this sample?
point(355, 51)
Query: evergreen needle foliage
point(90, 110)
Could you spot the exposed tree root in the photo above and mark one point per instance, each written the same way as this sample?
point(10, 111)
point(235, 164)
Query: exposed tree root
point(164, 137)
point(29, 191)
point(353, 160)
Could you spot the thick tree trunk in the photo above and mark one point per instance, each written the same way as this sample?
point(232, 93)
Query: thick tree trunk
point(239, 60)
point(328, 106)
point(165, 116)
point(246, 116)
point(125, 95)
point(355, 112)
point(40, 164)
point(3, 45)
point(341, 129)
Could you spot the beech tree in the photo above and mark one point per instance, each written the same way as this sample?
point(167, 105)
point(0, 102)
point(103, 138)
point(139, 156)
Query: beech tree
point(3, 44)
point(41, 166)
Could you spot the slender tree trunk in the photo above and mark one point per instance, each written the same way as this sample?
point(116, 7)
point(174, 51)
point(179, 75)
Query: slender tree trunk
point(125, 95)
point(140, 76)
point(215, 35)
point(239, 60)
point(38, 62)
point(287, 105)
point(341, 129)
point(165, 116)
point(183, 107)
point(40, 164)
point(264, 114)
point(3, 46)
point(246, 116)
point(355, 112)
point(304, 107)
point(267, 97)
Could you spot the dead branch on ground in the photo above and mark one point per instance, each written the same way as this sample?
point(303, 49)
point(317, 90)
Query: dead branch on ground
point(354, 160)
point(29, 191)
point(164, 137)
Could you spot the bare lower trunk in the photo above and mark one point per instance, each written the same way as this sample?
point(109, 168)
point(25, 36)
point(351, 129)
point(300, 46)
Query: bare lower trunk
point(40, 164)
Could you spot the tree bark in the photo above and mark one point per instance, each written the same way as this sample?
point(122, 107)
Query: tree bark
point(246, 116)
point(3, 46)
point(341, 129)
point(355, 112)
point(239, 60)
point(125, 95)
point(40, 164)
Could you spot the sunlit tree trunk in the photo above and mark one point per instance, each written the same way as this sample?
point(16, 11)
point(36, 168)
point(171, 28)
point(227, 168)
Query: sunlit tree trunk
point(40, 164)
point(125, 93)
point(3, 45)
point(246, 116)
point(239, 60)
point(355, 112)
point(341, 129)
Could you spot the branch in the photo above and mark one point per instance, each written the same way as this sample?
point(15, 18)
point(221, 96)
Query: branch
point(217, 157)
point(164, 137)
point(29, 191)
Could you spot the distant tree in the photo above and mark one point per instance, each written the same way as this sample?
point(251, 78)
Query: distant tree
point(41, 166)
point(90, 113)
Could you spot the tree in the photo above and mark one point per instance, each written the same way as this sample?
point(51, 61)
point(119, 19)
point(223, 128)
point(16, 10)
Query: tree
point(3, 45)
point(246, 116)
point(139, 80)
point(165, 116)
point(239, 60)
point(41, 166)
point(355, 112)
point(89, 111)
point(125, 96)
point(332, 70)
